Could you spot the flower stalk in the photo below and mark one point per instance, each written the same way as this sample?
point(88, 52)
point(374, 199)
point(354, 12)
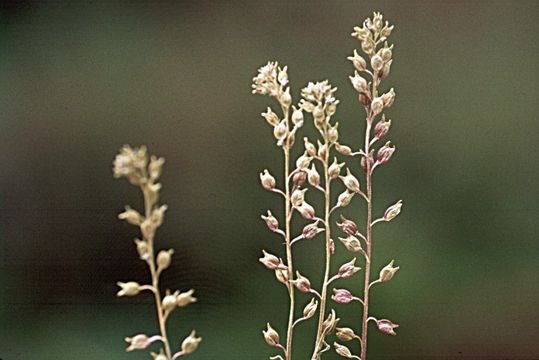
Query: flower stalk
point(133, 164)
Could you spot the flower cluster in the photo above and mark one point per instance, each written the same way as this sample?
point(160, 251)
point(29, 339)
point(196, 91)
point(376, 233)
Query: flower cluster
point(134, 164)
point(318, 168)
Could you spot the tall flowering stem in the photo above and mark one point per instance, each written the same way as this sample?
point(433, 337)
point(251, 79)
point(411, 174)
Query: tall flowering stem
point(144, 172)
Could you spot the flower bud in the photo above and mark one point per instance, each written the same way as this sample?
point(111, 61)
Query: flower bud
point(328, 326)
point(190, 343)
point(157, 216)
point(393, 211)
point(382, 127)
point(331, 108)
point(186, 298)
point(310, 230)
point(335, 169)
point(310, 149)
point(302, 283)
point(342, 296)
point(306, 210)
point(385, 153)
point(388, 272)
point(386, 31)
point(377, 62)
point(333, 133)
point(128, 289)
point(345, 334)
point(319, 116)
point(345, 198)
point(271, 117)
point(282, 276)
point(348, 226)
point(377, 105)
point(280, 131)
point(160, 356)
point(348, 269)
point(350, 181)
point(297, 117)
point(164, 258)
point(297, 197)
point(271, 221)
point(143, 249)
point(359, 83)
point(313, 176)
point(343, 149)
point(386, 326)
point(342, 350)
point(271, 336)
point(358, 62)
point(386, 54)
point(286, 98)
point(299, 178)
point(155, 167)
point(303, 162)
point(365, 99)
point(322, 150)
point(272, 262)
point(138, 342)
point(351, 243)
point(282, 77)
point(310, 309)
point(385, 70)
point(331, 246)
point(169, 302)
point(267, 181)
point(361, 33)
point(153, 192)
point(367, 47)
point(388, 98)
point(131, 216)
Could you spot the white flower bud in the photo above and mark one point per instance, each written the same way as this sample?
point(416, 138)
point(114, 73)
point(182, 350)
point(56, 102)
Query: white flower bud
point(377, 105)
point(271, 336)
point(280, 131)
point(303, 162)
point(282, 78)
point(388, 272)
point(310, 149)
point(358, 61)
point(389, 98)
point(190, 343)
point(186, 298)
point(333, 133)
point(335, 169)
point(350, 181)
point(345, 334)
point(271, 117)
point(306, 210)
point(271, 221)
point(297, 197)
point(348, 269)
point(343, 149)
point(359, 83)
point(169, 302)
point(128, 289)
point(267, 181)
point(310, 309)
point(393, 211)
point(131, 216)
point(297, 117)
point(344, 198)
point(351, 243)
point(286, 99)
point(164, 259)
point(377, 62)
point(313, 176)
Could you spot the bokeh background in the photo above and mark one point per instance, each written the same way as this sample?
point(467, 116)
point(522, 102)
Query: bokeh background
point(79, 80)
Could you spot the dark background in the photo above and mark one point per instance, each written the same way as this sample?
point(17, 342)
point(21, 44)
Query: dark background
point(78, 80)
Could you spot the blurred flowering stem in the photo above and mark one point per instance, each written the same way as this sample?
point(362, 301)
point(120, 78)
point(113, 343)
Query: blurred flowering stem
point(148, 206)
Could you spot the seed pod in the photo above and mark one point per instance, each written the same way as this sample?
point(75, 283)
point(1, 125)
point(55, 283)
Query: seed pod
point(345, 198)
point(333, 133)
point(388, 98)
point(138, 342)
point(393, 211)
point(190, 343)
point(310, 230)
point(271, 117)
point(280, 131)
point(306, 210)
point(271, 261)
point(350, 181)
point(364, 160)
point(164, 259)
point(128, 289)
point(342, 350)
point(388, 272)
point(359, 63)
point(271, 221)
point(385, 153)
point(267, 180)
point(382, 127)
point(302, 283)
point(322, 150)
point(286, 98)
point(186, 298)
point(335, 169)
point(343, 149)
point(310, 309)
point(313, 176)
point(359, 83)
point(377, 105)
point(297, 197)
point(303, 162)
point(131, 216)
point(299, 178)
point(377, 62)
point(169, 302)
point(310, 149)
point(345, 334)
point(297, 117)
point(351, 243)
point(348, 269)
point(386, 326)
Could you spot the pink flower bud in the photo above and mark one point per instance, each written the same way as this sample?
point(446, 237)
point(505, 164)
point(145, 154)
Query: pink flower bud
point(297, 197)
point(342, 350)
point(310, 309)
point(302, 283)
point(310, 230)
point(393, 211)
point(389, 98)
point(267, 181)
point(377, 105)
point(348, 269)
point(365, 98)
point(364, 161)
point(303, 162)
point(272, 262)
point(348, 226)
point(271, 222)
point(385, 153)
point(343, 149)
point(382, 127)
point(342, 296)
point(299, 178)
point(386, 326)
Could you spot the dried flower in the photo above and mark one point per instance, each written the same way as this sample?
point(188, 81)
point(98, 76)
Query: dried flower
point(348, 269)
point(128, 289)
point(350, 181)
point(358, 61)
point(382, 128)
point(345, 334)
point(302, 283)
point(386, 326)
point(310, 309)
point(272, 262)
point(267, 181)
point(186, 298)
point(271, 336)
point(342, 296)
point(393, 211)
point(385, 153)
point(271, 221)
point(190, 343)
point(388, 272)
point(348, 226)
point(342, 350)
point(351, 243)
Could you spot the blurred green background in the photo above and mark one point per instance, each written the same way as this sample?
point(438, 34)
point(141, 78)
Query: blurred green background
point(78, 80)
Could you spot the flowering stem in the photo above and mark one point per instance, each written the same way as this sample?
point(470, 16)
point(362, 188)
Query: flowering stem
point(368, 176)
point(290, 330)
point(155, 277)
point(323, 298)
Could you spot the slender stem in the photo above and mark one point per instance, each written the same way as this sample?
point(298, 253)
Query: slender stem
point(369, 228)
point(155, 279)
point(319, 332)
point(289, 334)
